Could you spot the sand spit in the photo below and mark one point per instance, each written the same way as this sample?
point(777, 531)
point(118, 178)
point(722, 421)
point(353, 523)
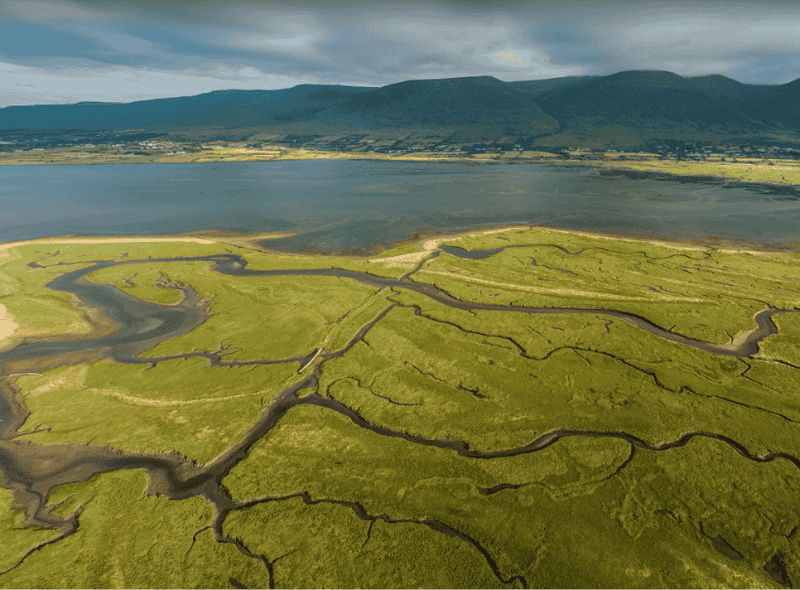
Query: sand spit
point(431, 245)
point(7, 325)
point(115, 240)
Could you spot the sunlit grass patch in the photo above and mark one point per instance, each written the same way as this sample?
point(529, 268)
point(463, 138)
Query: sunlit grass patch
point(198, 412)
point(17, 539)
point(394, 555)
point(705, 294)
point(293, 313)
point(129, 540)
point(659, 513)
point(432, 379)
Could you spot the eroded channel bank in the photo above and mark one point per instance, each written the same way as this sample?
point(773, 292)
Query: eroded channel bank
point(139, 326)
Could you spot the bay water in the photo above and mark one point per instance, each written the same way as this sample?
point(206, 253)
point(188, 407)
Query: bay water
point(351, 205)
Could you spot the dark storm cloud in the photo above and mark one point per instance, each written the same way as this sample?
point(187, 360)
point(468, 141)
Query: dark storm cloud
point(127, 50)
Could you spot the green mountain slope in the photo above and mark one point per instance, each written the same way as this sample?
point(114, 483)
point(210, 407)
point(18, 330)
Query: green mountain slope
point(625, 109)
point(481, 101)
point(651, 103)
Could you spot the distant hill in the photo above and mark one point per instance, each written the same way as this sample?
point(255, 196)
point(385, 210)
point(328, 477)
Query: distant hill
point(537, 87)
point(653, 104)
point(626, 109)
point(222, 108)
point(452, 103)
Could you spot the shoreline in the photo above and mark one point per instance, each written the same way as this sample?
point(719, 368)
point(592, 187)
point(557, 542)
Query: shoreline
point(424, 242)
point(609, 166)
point(725, 181)
point(421, 240)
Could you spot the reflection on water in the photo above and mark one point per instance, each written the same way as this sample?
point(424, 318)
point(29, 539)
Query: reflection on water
point(354, 205)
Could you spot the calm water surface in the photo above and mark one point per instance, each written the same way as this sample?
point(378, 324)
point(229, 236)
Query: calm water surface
point(350, 205)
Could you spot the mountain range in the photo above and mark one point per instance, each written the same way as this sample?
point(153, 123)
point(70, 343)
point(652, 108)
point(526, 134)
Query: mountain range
point(625, 109)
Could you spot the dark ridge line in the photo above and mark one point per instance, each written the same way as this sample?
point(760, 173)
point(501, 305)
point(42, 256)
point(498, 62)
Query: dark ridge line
point(624, 464)
point(577, 349)
point(220, 537)
point(474, 392)
point(362, 514)
point(503, 248)
point(778, 361)
point(214, 359)
point(42, 545)
point(421, 372)
point(369, 533)
point(543, 441)
point(663, 511)
point(361, 386)
point(43, 518)
point(654, 259)
point(391, 401)
point(500, 487)
point(28, 432)
point(194, 539)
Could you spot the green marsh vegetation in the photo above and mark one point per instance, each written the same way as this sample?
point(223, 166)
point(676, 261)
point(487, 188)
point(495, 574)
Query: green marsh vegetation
point(129, 540)
point(407, 459)
point(179, 405)
point(702, 294)
point(773, 171)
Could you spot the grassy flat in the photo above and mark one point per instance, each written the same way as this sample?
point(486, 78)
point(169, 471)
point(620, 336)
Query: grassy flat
point(161, 410)
point(406, 459)
point(129, 540)
point(463, 376)
point(707, 295)
point(550, 529)
point(761, 170)
point(100, 155)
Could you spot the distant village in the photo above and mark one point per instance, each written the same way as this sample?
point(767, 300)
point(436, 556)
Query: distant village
point(507, 147)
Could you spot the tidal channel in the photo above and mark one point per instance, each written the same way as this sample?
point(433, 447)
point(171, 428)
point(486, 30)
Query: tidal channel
point(131, 326)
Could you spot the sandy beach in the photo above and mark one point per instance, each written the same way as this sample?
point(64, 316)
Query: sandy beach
point(7, 325)
point(123, 240)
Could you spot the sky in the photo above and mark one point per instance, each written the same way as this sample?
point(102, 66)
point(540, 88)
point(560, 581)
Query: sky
point(127, 50)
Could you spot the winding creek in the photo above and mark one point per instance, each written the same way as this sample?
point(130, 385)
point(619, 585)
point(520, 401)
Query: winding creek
point(128, 326)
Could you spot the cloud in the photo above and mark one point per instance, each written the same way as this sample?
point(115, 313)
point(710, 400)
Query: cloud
point(123, 84)
point(700, 41)
point(122, 42)
point(51, 10)
point(170, 44)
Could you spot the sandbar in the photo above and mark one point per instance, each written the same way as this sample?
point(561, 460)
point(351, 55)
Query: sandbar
point(114, 240)
point(7, 325)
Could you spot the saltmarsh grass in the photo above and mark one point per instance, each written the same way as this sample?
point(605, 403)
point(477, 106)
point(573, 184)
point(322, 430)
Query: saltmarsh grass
point(582, 512)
